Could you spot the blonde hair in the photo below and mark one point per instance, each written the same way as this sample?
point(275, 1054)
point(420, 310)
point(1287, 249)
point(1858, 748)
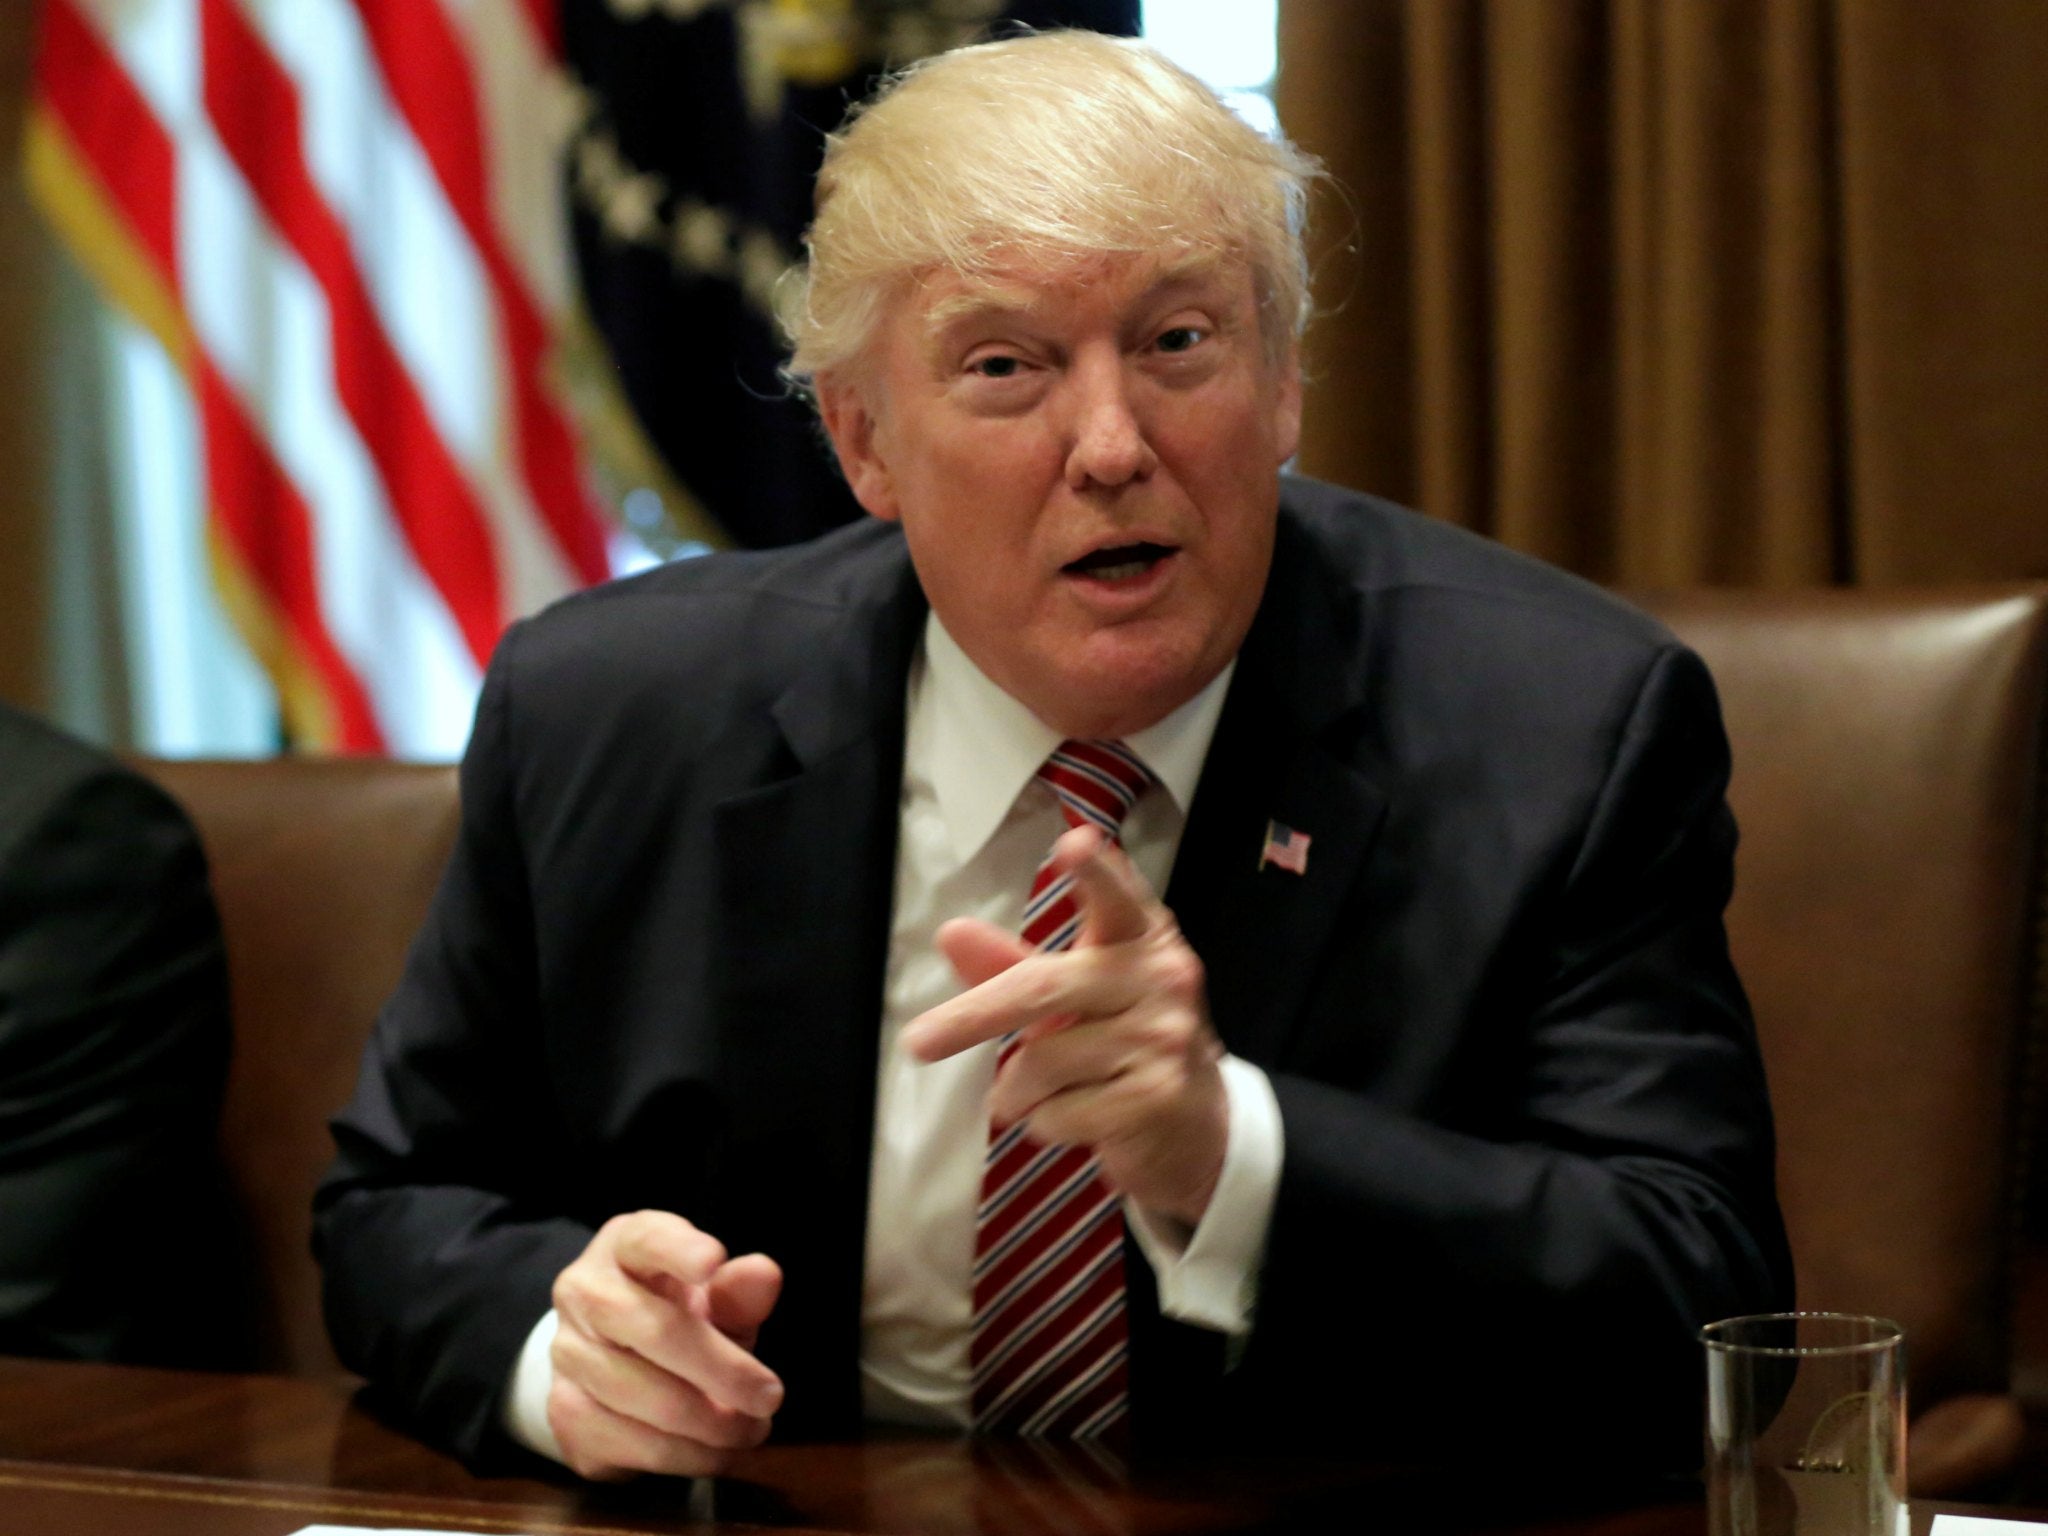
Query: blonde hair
point(1050, 148)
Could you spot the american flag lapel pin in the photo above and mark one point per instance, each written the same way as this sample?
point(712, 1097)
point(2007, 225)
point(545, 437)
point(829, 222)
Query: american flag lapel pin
point(1285, 848)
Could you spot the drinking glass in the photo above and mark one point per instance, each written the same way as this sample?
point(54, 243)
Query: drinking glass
point(1806, 1425)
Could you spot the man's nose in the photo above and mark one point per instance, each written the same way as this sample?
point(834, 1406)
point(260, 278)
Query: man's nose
point(1110, 447)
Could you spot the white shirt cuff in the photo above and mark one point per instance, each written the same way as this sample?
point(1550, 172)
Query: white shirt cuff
point(1209, 1277)
point(525, 1414)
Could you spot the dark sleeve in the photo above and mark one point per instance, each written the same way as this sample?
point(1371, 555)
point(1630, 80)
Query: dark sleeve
point(1521, 1270)
point(439, 1227)
point(113, 1055)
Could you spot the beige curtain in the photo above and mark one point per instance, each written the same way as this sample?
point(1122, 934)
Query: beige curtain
point(1679, 291)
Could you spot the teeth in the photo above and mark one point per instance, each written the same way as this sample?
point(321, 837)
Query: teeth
point(1122, 571)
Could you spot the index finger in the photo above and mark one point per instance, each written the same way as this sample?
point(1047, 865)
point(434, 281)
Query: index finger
point(1050, 990)
point(1030, 990)
point(642, 1286)
point(1116, 904)
point(679, 1337)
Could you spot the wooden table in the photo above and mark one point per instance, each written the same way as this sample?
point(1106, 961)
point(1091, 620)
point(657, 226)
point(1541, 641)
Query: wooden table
point(120, 1451)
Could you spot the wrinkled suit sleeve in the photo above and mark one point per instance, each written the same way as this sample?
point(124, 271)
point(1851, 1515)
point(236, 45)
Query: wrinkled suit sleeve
point(443, 1221)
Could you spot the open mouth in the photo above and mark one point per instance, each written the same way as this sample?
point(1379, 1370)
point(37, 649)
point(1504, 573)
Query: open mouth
point(1118, 562)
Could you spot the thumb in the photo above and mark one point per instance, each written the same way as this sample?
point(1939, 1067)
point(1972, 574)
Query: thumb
point(742, 1294)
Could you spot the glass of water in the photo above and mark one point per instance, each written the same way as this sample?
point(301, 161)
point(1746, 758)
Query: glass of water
point(1806, 1425)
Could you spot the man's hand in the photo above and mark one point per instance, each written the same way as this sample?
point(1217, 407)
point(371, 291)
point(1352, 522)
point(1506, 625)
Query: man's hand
point(1117, 1051)
point(653, 1370)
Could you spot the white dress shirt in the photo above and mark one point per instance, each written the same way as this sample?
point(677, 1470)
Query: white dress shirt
point(974, 827)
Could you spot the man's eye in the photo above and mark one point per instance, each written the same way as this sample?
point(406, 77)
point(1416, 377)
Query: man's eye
point(1180, 338)
point(997, 366)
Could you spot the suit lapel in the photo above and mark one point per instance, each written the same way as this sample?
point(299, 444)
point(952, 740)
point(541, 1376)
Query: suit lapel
point(1280, 756)
point(1282, 753)
point(805, 869)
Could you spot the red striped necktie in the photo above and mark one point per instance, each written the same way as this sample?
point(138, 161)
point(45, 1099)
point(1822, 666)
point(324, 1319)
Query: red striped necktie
point(1051, 1341)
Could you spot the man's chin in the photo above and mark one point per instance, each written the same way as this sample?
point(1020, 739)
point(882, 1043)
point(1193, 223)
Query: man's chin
point(1118, 690)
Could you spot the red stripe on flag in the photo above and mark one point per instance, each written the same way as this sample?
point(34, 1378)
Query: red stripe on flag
point(255, 109)
point(113, 126)
point(251, 504)
point(429, 76)
point(545, 17)
point(261, 513)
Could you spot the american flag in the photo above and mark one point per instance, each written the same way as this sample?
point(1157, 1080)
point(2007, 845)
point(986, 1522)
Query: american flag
point(1286, 848)
point(342, 221)
point(348, 225)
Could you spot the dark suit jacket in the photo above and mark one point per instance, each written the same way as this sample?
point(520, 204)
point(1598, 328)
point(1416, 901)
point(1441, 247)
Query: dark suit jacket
point(1528, 1149)
point(113, 1054)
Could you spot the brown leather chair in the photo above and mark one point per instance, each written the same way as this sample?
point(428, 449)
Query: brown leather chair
point(323, 870)
point(1888, 776)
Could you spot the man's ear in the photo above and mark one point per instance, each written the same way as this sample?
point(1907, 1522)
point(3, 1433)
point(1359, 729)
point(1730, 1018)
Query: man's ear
point(1287, 403)
point(853, 429)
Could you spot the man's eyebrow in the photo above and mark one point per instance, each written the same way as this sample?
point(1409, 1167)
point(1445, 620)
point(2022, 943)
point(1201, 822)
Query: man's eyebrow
point(994, 303)
point(1005, 301)
point(1195, 270)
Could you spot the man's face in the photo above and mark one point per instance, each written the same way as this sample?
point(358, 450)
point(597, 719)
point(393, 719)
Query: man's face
point(1085, 463)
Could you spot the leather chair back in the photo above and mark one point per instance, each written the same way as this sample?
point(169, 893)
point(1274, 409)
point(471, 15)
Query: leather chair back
point(323, 869)
point(1888, 774)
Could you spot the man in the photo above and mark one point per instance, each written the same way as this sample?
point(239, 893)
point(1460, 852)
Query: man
point(113, 1054)
point(1423, 1112)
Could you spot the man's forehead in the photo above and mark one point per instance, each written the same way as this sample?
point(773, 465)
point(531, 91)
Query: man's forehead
point(947, 298)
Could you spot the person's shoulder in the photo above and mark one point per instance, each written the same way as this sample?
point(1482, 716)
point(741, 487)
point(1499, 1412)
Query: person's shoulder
point(38, 753)
point(51, 780)
point(1413, 568)
point(718, 594)
point(1457, 635)
point(717, 636)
